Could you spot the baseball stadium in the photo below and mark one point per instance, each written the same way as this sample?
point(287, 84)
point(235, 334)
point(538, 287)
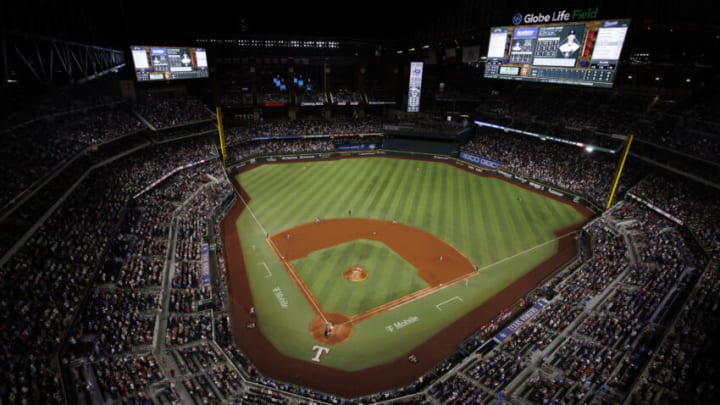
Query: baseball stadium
point(253, 204)
point(370, 285)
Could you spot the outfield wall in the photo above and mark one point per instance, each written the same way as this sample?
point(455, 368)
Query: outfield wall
point(420, 145)
point(467, 161)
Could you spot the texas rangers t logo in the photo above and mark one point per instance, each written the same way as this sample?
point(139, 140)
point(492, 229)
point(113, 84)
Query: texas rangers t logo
point(319, 351)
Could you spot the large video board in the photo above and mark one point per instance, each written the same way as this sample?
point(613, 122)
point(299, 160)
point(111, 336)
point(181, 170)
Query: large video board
point(169, 63)
point(414, 86)
point(580, 53)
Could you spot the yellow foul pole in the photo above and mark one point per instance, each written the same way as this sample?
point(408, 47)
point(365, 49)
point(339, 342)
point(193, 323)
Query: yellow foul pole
point(619, 170)
point(218, 114)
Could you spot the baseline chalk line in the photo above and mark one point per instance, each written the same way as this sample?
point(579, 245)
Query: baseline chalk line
point(446, 301)
point(269, 274)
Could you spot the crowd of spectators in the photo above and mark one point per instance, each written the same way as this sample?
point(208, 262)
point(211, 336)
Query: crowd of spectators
point(262, 148)
point(596, 337)
point(680, 136)
point(582, 108)
point(566, 166)
point(124, 378)
point(43, 283)
point(30, 379)
point(155, 209)
point(683, 369)
point(63, 253)
point(606, 352)
point(273, 98)
point(23, 108)
point(144, 239)
point(174, 133)
point(119, 320)
point(169, 109)
point(31, 151)
point(312, 98)
point(301, 128)
point(612, 309)
point(235, 99)
point(459, 390)
point(688, 126)
point(346, 97)
point(696, 206)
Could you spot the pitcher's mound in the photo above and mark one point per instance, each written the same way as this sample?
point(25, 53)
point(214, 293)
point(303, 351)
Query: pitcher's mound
point(337, 331)
point(356, 274)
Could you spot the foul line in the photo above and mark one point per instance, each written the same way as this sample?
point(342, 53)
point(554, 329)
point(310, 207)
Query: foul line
point(269, 274)
point(393, 304)
point(446, 301)
point(299, 282)
point(431, 290)
point(306, 292)
point(252, 213)
point(408, 298)
point(547, 242)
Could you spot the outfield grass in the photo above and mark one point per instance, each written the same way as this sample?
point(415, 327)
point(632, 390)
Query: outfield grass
point(481, 217)
point(389, 276)
point(504, 229)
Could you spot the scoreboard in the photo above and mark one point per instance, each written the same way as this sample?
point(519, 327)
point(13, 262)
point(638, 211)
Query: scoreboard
point(414, 86)
point(579, 53)
point(169, 63)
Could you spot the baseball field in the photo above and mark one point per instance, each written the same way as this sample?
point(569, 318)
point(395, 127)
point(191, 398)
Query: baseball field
point(351, 265)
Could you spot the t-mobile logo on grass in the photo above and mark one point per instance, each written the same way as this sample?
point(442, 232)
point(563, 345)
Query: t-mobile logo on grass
point(319, 351)
point(401, 324)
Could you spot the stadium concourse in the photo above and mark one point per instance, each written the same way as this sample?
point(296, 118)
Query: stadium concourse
point(120, 287)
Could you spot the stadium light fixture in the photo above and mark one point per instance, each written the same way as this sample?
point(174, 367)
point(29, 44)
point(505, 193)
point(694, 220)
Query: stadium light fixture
point(543, 137)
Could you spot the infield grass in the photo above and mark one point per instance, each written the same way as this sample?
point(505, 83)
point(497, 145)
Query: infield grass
point(389, 276)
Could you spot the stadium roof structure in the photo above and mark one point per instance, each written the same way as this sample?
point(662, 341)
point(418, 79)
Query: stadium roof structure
point(674, 31)
point(123, 22)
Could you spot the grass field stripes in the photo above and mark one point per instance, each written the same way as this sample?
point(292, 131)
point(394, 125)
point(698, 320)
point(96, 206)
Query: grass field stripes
point(490, 220)
point(526, 251)
point(391, 276)
point(503, 229)
point(269, 273)
point(300, 283)
point(410, 298)
point(247, 207)
point(439, 306)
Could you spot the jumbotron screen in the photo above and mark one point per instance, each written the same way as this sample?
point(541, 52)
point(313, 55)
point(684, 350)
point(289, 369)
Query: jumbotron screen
point(580, 53)
point(169, 63)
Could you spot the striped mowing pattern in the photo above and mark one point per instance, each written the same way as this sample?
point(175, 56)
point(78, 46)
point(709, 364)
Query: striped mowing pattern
point(390, 276)
point(482, 217)
point(487, 219)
